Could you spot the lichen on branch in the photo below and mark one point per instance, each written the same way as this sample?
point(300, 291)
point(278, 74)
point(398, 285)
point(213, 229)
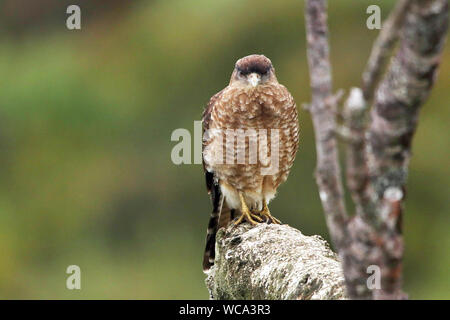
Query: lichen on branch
point(271, 261)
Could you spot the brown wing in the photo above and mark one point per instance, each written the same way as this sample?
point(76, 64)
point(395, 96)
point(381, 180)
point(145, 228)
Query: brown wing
point(212, 185)
point(206, 121)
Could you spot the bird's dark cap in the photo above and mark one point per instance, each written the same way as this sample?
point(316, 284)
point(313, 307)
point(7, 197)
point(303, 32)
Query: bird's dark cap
point(254, 63)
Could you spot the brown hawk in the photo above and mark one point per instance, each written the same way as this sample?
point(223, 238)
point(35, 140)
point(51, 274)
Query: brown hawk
point(254, 106)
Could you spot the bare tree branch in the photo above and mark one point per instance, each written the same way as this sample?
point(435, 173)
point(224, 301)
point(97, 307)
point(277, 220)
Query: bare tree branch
point(357, 103)
point(377, 157)
point(323, 109)
point(403, 90)
point(356, 169)
point(382, 47)
point(394, 118)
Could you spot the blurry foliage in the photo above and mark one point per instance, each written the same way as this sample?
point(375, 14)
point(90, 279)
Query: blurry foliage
point(85, 123)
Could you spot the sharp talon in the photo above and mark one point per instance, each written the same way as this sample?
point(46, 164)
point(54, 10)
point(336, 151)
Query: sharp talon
point(268, 217)
point(256, 217)
point(247, 215)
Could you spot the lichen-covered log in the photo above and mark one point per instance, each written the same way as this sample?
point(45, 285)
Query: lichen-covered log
point(273, 262)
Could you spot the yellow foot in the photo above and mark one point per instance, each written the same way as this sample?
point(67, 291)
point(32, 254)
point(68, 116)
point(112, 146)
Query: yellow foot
point(249, 217)
point(246, 214)
point(268, 217)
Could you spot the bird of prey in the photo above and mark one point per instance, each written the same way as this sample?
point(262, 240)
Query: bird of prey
point(256, 105)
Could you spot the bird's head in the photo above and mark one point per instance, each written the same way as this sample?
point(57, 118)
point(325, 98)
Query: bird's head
point(253, 70)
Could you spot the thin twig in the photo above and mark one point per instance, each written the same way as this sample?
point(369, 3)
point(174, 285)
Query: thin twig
point(382, 47)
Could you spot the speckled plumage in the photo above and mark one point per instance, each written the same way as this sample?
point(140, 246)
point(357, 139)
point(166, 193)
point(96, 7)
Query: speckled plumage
point(243, 105)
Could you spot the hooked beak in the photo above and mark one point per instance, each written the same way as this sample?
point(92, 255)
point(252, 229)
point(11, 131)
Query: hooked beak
point(254, 79)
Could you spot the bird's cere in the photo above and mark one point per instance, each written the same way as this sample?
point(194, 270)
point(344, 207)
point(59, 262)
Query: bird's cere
point(254, 79)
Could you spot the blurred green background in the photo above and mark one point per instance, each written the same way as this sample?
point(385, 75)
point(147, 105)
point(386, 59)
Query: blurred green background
point(86, 116)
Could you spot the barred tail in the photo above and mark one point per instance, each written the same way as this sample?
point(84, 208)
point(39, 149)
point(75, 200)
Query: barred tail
point(209, 255)
point(216, 222)
point(213, 226)
point(221, 216)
